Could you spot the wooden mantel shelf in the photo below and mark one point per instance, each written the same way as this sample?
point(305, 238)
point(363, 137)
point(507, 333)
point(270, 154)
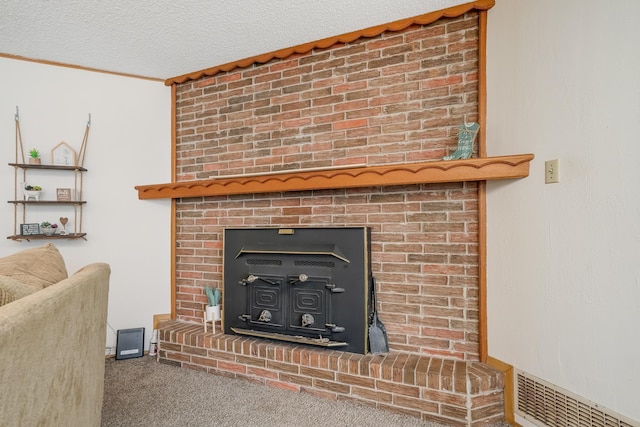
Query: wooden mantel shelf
point(476, 169)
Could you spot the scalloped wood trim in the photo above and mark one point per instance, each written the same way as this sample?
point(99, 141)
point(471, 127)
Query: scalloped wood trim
point(400, 25)
point(478, 169)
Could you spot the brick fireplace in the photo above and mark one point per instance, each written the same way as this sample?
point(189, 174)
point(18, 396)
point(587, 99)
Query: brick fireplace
point(394, 97)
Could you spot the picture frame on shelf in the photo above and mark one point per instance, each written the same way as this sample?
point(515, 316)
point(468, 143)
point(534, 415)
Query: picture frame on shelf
point(63, 155)
point(29, 229)
point(63, 194)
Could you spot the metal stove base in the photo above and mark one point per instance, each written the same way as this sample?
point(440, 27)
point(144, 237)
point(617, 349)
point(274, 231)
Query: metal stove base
point(320, 342)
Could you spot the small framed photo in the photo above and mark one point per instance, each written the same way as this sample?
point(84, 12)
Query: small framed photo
point(29, 229)
point(63, 194)
point(62, 154)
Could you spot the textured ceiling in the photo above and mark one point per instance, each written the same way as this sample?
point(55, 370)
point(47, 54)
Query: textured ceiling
point(164, 39)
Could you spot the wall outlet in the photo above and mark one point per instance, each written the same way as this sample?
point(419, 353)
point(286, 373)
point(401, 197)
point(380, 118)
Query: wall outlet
point(551, 172)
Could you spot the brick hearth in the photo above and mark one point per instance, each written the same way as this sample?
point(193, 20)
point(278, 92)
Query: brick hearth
point(448, 391)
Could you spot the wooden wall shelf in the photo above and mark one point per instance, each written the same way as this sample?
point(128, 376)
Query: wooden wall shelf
point(70, 236)
point(40, 208)
point(48, 167)
point(475, 169)
point(47, 202)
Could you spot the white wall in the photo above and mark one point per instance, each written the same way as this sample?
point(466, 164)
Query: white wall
point(564, 259)
point(129, 144)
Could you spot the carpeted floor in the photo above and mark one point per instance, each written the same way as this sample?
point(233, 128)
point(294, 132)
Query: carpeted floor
point(143, 392)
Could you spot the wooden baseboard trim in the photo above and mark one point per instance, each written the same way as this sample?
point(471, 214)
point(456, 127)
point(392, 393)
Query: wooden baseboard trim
point(509, 414)
point(157, 318)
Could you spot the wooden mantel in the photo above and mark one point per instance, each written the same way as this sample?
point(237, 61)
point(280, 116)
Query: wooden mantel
point(476, 169)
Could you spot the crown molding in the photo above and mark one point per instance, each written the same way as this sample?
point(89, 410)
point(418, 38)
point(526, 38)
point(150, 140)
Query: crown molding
point(301, 49)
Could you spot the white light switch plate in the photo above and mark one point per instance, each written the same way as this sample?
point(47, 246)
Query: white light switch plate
point(551, 172)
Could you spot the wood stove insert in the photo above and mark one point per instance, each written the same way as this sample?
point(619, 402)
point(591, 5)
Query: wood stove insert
point(304, 285)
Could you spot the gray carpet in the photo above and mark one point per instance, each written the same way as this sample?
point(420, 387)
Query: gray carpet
point(143, 392)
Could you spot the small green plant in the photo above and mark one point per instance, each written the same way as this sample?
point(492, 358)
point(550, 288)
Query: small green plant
point(32, 188)
point(213, 295)
point(34, 153)
point(47, 224)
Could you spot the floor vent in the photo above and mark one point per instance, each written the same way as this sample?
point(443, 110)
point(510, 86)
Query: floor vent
point(545, 404)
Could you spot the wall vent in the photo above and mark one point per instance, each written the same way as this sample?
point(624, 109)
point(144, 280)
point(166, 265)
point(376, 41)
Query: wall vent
point(545, 404)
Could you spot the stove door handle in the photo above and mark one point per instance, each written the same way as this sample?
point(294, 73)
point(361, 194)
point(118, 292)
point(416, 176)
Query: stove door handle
point(251, 278)
point(333, 288)
point(334, 328)
point(300, 279)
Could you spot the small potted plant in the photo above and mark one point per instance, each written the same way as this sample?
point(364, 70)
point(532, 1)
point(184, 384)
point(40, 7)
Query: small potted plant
point(213, 309)
point(48, 229)
point(32, 192)
point(34, 157)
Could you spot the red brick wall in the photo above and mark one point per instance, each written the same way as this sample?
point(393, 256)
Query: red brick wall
point(395, 98)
